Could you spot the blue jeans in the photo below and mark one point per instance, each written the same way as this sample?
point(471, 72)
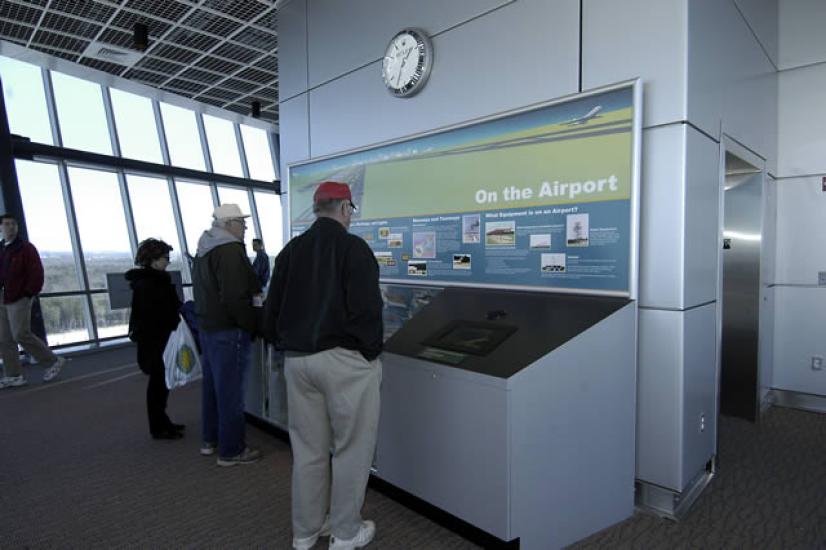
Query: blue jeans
point(225, 362)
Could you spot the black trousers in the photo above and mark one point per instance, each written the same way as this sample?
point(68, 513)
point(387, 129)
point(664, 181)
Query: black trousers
point(150, 361)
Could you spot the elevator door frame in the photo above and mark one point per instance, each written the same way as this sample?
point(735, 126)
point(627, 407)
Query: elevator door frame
point(730, 146)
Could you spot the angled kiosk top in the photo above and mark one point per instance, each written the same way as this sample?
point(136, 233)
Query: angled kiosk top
point(494, 332)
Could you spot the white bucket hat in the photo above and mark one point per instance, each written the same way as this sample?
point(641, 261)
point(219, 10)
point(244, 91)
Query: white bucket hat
point(228, 211)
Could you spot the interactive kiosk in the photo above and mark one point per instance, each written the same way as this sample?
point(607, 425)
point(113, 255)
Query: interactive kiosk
point(508, 252)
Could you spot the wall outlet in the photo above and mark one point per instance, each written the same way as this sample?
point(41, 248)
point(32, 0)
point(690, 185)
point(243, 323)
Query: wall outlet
point(817, 362)
point(702, 422)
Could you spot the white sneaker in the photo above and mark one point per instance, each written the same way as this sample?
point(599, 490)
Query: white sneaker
point(366, 533)
point(52, 372)
point(12, 381)
point(309, 542)
point(247, 456)
point(208, 449)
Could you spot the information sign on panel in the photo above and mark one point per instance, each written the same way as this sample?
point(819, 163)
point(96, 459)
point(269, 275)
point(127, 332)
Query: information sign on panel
point(540, 198)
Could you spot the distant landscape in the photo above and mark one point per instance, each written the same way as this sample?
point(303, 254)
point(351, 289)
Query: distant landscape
point(65, 317)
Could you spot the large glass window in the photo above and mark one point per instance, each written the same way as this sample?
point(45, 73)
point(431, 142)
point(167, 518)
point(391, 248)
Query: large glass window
point(25, 100)
point(153, 215)
point(271, 220)
point(65, 319)
point(257, 149)
point(47, 225)
point(223, 148)
point(135, 123)
point(182, 137)
point(81, 114)
point(101, 223)
point(110, 322)
point(240, 197)
point(196, 211)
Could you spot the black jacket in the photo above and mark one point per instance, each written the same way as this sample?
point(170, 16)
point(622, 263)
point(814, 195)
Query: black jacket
point(224, 285)
point(155, 305)
point(325, 293)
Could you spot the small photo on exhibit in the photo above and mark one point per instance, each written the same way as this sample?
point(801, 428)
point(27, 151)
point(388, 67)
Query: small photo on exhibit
point(385, 258)
point(384, 233)
point(424, 245)
point(553, 263)
point(471, 229)
point(395, 240)
point(461, 261)
point(500, 233)
point(577, 230)
point(541, 240)
point(416, 268)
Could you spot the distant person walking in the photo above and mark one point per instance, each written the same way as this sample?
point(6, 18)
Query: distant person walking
point(261, 264)
point(154, 316)
point(226, 294)
point(21, 279)
point(324, 308)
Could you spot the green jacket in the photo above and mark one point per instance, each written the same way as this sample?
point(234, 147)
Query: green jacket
point(224, 283)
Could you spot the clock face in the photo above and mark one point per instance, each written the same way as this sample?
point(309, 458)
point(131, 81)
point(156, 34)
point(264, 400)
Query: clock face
point(407, 62)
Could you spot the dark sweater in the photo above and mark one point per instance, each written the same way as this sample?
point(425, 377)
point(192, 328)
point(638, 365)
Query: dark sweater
point(155, 305)
point(324, 293)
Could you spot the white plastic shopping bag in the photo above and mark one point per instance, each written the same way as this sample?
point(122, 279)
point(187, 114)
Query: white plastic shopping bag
point(180, 358)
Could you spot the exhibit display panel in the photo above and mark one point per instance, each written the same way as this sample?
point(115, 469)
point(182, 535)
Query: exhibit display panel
point(507, 249)
point(542, 198)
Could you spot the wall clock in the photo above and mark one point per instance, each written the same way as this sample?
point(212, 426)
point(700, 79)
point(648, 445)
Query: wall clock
point(407, 62)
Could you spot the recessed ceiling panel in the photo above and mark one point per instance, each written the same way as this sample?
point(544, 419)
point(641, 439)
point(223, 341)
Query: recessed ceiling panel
point(221, 52)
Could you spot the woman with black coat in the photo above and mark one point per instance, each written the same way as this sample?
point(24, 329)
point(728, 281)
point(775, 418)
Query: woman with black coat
point(154, 316)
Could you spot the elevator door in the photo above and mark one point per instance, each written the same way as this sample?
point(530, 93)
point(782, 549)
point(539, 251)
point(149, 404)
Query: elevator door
point(742, 236)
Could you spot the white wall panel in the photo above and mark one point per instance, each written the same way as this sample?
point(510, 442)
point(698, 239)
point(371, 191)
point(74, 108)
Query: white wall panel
point(800, 315)
point(701, 218)
point(292, 48)
point(768, 251)
point(348, 35)
point(802, 121)
point(699, 442)
point(732, 84)
point(801, 210)
point(638, 38)
point(762, 17)
point(662, 217)
point(660, 397)
point(470, 78)
point(802, 40)
point(679, 218)
point(295, 132)
point(676, 385)
point(766, 342)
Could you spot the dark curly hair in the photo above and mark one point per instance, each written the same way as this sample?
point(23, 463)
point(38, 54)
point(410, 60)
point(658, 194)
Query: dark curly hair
point(150, 250)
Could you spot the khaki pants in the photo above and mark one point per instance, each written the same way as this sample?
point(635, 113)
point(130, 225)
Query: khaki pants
point(16, 328)
point(333, 403)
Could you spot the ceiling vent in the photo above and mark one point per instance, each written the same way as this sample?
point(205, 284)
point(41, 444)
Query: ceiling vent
point(112, 54)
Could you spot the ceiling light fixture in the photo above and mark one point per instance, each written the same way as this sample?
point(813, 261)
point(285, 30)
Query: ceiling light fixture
point(141, 36)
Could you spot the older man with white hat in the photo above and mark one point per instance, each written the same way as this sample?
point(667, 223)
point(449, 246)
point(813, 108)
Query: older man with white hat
point(227, 292)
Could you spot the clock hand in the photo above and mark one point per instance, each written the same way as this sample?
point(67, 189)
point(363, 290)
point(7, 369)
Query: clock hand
point(401, 68)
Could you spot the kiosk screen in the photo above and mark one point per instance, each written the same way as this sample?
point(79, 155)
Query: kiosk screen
point(471, 337)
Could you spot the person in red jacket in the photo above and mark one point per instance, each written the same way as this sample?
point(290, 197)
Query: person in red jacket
point(21, 279)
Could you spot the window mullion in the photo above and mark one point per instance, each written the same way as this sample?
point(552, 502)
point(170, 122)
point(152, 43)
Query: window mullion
point(242, 151)
point(48, 88)
point(80, 263)
point(110, 121)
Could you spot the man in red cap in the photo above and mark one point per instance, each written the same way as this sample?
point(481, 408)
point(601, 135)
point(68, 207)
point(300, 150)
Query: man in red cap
point(324, 309)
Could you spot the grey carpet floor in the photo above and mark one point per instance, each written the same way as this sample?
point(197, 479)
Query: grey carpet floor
point(78, 470)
